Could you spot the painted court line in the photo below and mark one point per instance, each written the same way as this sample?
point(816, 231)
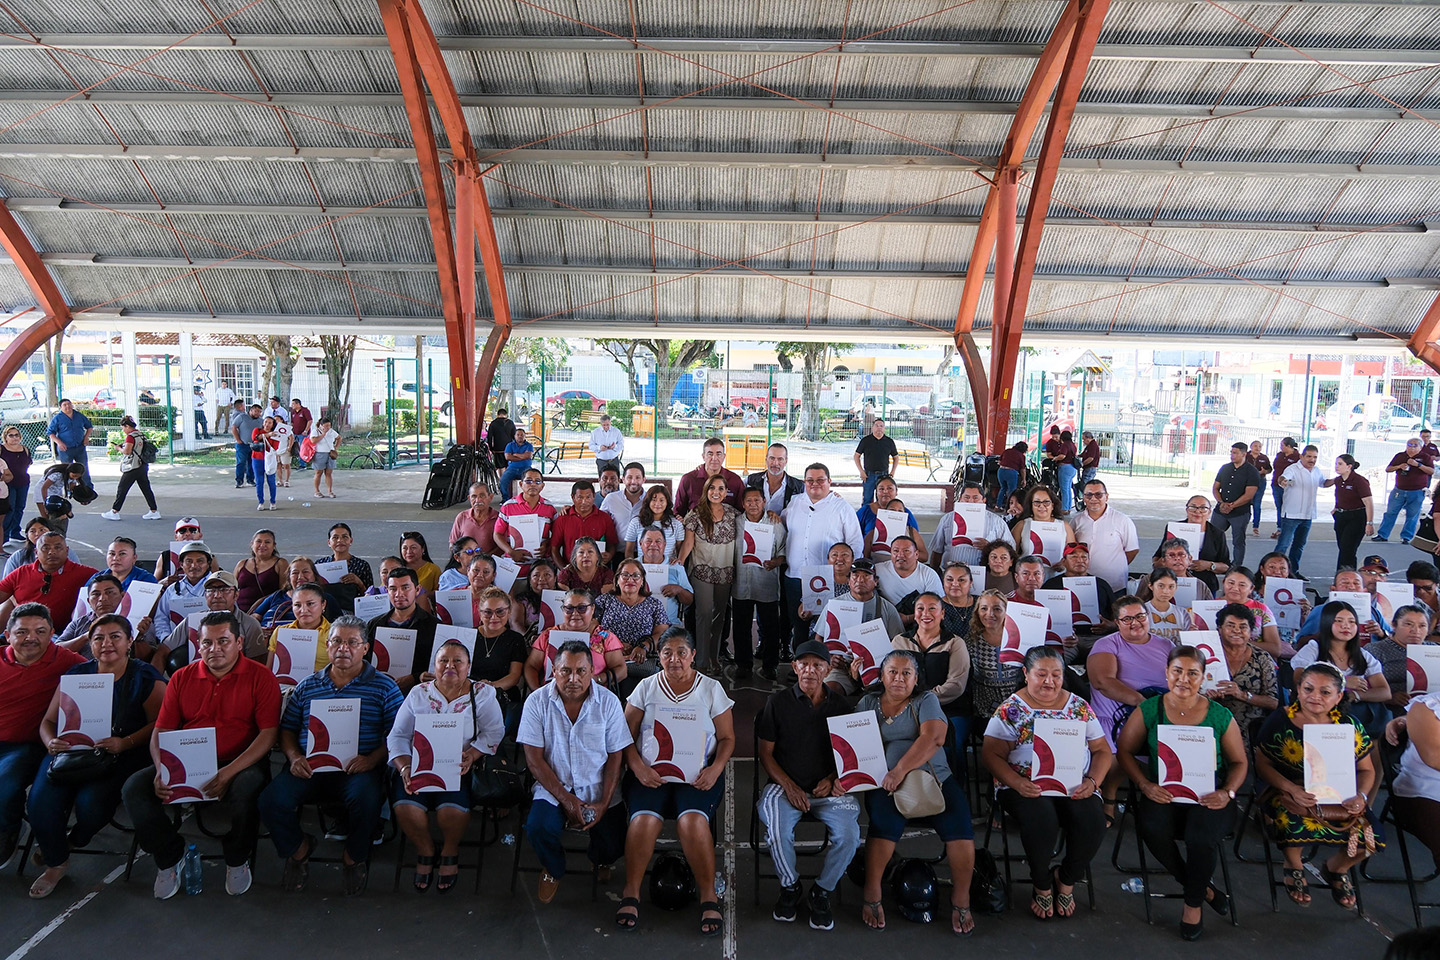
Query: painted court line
point(729, 903)
point(39, 935)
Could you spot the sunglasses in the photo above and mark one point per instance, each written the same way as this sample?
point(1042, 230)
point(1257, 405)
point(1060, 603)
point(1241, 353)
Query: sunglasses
point(577, 608)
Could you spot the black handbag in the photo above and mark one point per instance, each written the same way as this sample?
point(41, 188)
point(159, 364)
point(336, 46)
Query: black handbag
point(988, 892)
point(75, 768)
point(498, 780)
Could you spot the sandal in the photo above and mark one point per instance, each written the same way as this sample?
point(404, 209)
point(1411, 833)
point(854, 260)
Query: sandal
point(1064, 902)
point(423, 880)
point(962, 921)
point(1042, 905)
point(1111, 810)
point(1297, 887)
point(710, 926)
point(1341, 889)
point(875, 912)
point(627, 921)
point(442, 885)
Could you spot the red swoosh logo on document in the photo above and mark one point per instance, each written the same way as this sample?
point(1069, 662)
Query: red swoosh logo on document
point(1419, 682)
point(424, 765)
point(70, 723)
point(750, 556)
point(282, 664)
point(174, 773)
point(850, 778)
point(1010, 646)
point(1173, 772)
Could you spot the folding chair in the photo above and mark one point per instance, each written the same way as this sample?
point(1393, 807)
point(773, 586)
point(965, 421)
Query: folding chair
point(1006, 857)
point(1144, 869)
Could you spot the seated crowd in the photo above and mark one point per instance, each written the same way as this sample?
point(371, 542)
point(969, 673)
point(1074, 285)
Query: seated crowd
point(589, 639)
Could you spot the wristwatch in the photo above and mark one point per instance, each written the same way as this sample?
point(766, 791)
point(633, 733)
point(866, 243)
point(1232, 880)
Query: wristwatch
point(1232, 794)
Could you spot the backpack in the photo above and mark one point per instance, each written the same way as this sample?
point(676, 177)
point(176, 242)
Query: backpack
point(148, 451)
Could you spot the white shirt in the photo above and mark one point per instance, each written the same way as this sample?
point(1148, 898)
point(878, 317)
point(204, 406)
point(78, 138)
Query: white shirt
point(621, 510)
point(707, 695)
point(481, 729)
point(1299, 502)
point(1416, 777)
point(895, 588)
point(1309, 653)
point(774, 499)
point(163, 627)
point(607, 444)
point(1110, 537)
point(578, 751)
point(224, 397)
point(995, 529)
point(324, 443)
point(279, 413)
point(813, 528)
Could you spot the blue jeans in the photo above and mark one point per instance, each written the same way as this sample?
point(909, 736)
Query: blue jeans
point(1293, 535)
point(1009, 481)
point(257, 467)
point(1255, 506)
point(94, 804)
point(1408, 500)
point(242, 464)
point(867, 493)
point(512, 474)
point(362, 794)
point(841, 816)
point(1067, 487)
point(1278, 493)
point(546, 824)
point(19, 503)
point(18, 763)
point(76, 453)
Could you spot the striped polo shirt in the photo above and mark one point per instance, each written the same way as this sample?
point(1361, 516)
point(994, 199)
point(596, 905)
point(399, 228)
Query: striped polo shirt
point(379, 700)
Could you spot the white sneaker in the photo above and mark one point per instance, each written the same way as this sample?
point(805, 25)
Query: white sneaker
point(154, 515)
point(272, 506)
point(110, 515)
point(260, 507)
point(167, 883)
point(237, 879)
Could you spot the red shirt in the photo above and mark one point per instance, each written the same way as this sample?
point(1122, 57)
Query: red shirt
point(239, 705)
point(570, 527)
point(519, 508)
point(300, 421)
point(1407, 477)
point(1012, 459)
point(26, 691)
point(1090, 456)
point(1349, 492)
point(687, 492)
point(27, 584)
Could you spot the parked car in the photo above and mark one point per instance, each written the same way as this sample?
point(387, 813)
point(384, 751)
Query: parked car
point(886, 405)
point(558, 400)
point(1377, 415)
point(439, 399)
point(104, 398)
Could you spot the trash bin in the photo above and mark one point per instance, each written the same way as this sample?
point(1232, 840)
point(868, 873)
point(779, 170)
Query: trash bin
point(642, 421)
point(745, 450)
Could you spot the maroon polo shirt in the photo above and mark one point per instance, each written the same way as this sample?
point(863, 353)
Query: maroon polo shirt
point(687, 493)
point(1350, 492)
point(1411, 479)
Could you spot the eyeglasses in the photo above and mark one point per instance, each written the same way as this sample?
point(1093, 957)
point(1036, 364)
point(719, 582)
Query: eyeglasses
point(494, 614)
point(410, 535)
point(1197, 507)
point(221, 589)
point(532, 483)
point(1042, 503)
point(631, 576)
point(346, 644)
point(1094, 496)
point(576, 608)
point(1137, 618)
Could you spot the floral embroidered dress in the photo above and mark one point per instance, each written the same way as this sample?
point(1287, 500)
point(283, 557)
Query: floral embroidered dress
point(1014, 722)
point(1282, 741)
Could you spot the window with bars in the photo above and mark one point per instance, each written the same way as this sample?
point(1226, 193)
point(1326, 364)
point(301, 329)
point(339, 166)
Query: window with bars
point(238, 375)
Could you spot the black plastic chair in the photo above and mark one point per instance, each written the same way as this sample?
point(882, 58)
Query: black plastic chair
point(1007, 858)
point(1144, 869)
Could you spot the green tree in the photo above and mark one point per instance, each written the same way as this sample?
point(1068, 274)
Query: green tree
point(816, 358)
point(624, 353)
point(339, 360)
point(535, 352)
point(280, 358)
point(673, 359)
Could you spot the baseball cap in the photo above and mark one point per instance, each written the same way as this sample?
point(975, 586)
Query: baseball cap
point(1072, 547)
point(1376, 562)
point(228, 579)
point(813, 648)
point(195, 546)
point(863, 566)
point(187, 523)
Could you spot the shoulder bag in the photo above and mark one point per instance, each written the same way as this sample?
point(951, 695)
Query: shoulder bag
point(919, 794)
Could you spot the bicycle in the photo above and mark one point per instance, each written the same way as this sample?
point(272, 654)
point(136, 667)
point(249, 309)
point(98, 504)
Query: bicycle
point(370, 457)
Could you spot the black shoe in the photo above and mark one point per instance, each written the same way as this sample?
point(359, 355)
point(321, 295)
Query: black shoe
point(788, 905)
point(821, 918)
point(357, 876)
point(768, 673)
point(1378, 540)
point(786, 656)
point(1219, 902)
point(239, 486)
point(1404, 539)
point(1191, 931)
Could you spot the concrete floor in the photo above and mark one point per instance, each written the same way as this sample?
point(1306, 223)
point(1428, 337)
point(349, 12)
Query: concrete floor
point(94, 907)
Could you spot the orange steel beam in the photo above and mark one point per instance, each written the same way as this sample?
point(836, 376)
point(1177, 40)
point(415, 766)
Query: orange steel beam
point(47, 294)
point(1005, 346)
point(1422, 341)
point(1022, 131)
point(419, 63)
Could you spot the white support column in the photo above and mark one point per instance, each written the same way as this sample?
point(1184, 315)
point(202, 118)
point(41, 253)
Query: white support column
point(129, 389)
point(186, 404)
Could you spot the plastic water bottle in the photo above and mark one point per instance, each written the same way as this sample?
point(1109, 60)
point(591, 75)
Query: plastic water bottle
point(1133, 885)
point(190, 871)
point(719, 884)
